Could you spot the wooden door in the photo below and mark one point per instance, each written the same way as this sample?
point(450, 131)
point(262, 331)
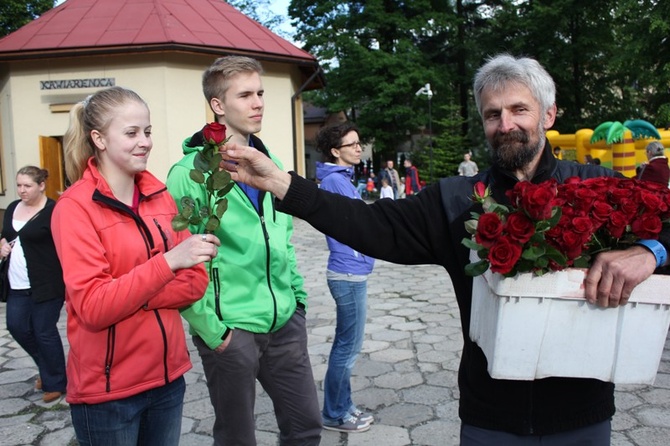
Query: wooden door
point(51, 159)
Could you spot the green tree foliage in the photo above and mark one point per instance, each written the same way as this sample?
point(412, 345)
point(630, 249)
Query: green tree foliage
point(376, 55)
point(16, 13)
point(449, 145)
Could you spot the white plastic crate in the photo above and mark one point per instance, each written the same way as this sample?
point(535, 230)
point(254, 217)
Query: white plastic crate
point(539, 326)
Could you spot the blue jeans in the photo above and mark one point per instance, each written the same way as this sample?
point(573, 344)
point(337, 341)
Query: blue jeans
point(351, 300)
point(33, 325)
point(151, 418)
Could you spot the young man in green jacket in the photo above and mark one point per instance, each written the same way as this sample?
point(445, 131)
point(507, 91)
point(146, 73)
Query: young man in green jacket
point(250, 324)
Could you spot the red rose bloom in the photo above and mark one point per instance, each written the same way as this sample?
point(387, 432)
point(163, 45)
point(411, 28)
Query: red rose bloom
point(617, 224)
point(647, 226)
point(601, 211)
point(489, 229)
point(651, 201)
point(480, 190)
point(537, 200)
point(503, 255)
point(214, 133)
point(519, 227)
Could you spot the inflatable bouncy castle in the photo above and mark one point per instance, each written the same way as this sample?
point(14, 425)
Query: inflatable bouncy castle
point(617, 146)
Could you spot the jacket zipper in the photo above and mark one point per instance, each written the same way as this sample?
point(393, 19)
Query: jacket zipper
point(165, 346)
point(109, 356)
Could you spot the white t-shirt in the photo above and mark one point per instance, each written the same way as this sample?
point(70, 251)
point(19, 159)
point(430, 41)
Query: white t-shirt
point(18, 270)
point(386, 192)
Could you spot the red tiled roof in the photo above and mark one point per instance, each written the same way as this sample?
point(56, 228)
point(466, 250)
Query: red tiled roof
point(99, 26)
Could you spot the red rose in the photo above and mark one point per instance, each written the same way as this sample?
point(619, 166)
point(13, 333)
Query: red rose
point(647, 226)
point(514, 195)
point(214, 133)
point(617, 224)
point(629, 207)
point(582, 225)
point(481, 191)
point(572, 244)
point(519, 227)
point(503, 255)
point(489, 229)
point(652, 201)
point(601, 211)
point(537, 200)
point(584, 199)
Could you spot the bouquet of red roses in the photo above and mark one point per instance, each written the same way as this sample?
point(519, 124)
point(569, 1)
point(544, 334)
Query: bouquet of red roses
point(551, 226)
point(217, 183)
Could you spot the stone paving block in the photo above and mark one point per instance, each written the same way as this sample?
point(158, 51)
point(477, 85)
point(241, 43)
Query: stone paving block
point(379, 435)
point(373, 346)
point(442, 378)
point(623, 421)
point(392, 355)
point(15, 390)
point(15, 420)
point(405, 415)
point(656, 396)
point(62, 437)
point(426, 394)
point(16, 375)
point(398, 380)
point(10, 406)
point(365, 367)
point(20, 434)
point(648, 436)
point(434, 356)
point(384, 334)
point(373, 398)
point(437, 433)
point(653, 416)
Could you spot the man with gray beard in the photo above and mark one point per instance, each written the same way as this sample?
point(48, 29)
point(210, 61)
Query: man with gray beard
point(516, 99)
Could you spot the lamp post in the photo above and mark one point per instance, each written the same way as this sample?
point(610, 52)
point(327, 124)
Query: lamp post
point(425, 90)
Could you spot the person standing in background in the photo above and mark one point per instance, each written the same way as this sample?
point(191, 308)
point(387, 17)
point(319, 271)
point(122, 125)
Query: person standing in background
point(392, 176)
point(347, 275)
point(412, 183)
point(126, 274)
point(467, 168)
point(386, 190)
point(37, 291)
point(656, 169)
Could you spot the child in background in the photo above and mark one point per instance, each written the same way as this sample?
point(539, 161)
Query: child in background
point(387, 190)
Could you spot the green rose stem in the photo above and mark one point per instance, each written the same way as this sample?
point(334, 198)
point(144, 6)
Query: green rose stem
point(217, 183)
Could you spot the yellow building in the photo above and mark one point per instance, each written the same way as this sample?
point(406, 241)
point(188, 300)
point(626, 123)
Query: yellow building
point(159, 48)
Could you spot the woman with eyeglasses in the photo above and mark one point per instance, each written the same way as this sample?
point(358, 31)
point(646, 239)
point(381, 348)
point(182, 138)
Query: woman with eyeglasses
point(347, 275)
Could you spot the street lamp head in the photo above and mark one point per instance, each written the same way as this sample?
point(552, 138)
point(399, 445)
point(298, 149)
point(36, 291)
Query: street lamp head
point(425, 90)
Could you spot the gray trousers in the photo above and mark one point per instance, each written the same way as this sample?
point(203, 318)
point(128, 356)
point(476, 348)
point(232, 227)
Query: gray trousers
point(280, 362)
point(595, 435)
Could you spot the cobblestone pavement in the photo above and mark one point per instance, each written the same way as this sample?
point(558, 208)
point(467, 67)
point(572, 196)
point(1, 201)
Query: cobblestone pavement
point(406, 375)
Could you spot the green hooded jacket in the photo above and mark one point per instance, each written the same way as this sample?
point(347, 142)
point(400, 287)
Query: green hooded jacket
point(254, 283)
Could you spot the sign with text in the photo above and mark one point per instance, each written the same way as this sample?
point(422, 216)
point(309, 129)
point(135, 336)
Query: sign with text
point(100, 82)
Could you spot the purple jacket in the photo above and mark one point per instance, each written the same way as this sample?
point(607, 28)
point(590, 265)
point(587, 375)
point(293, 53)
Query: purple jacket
point(342, 259)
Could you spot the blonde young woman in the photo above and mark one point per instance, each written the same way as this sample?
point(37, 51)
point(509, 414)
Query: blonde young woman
point(36, 289)
point(126, 275)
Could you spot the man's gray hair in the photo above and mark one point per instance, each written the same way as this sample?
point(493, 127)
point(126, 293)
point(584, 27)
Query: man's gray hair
point(655, 148)
point(504, 69)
